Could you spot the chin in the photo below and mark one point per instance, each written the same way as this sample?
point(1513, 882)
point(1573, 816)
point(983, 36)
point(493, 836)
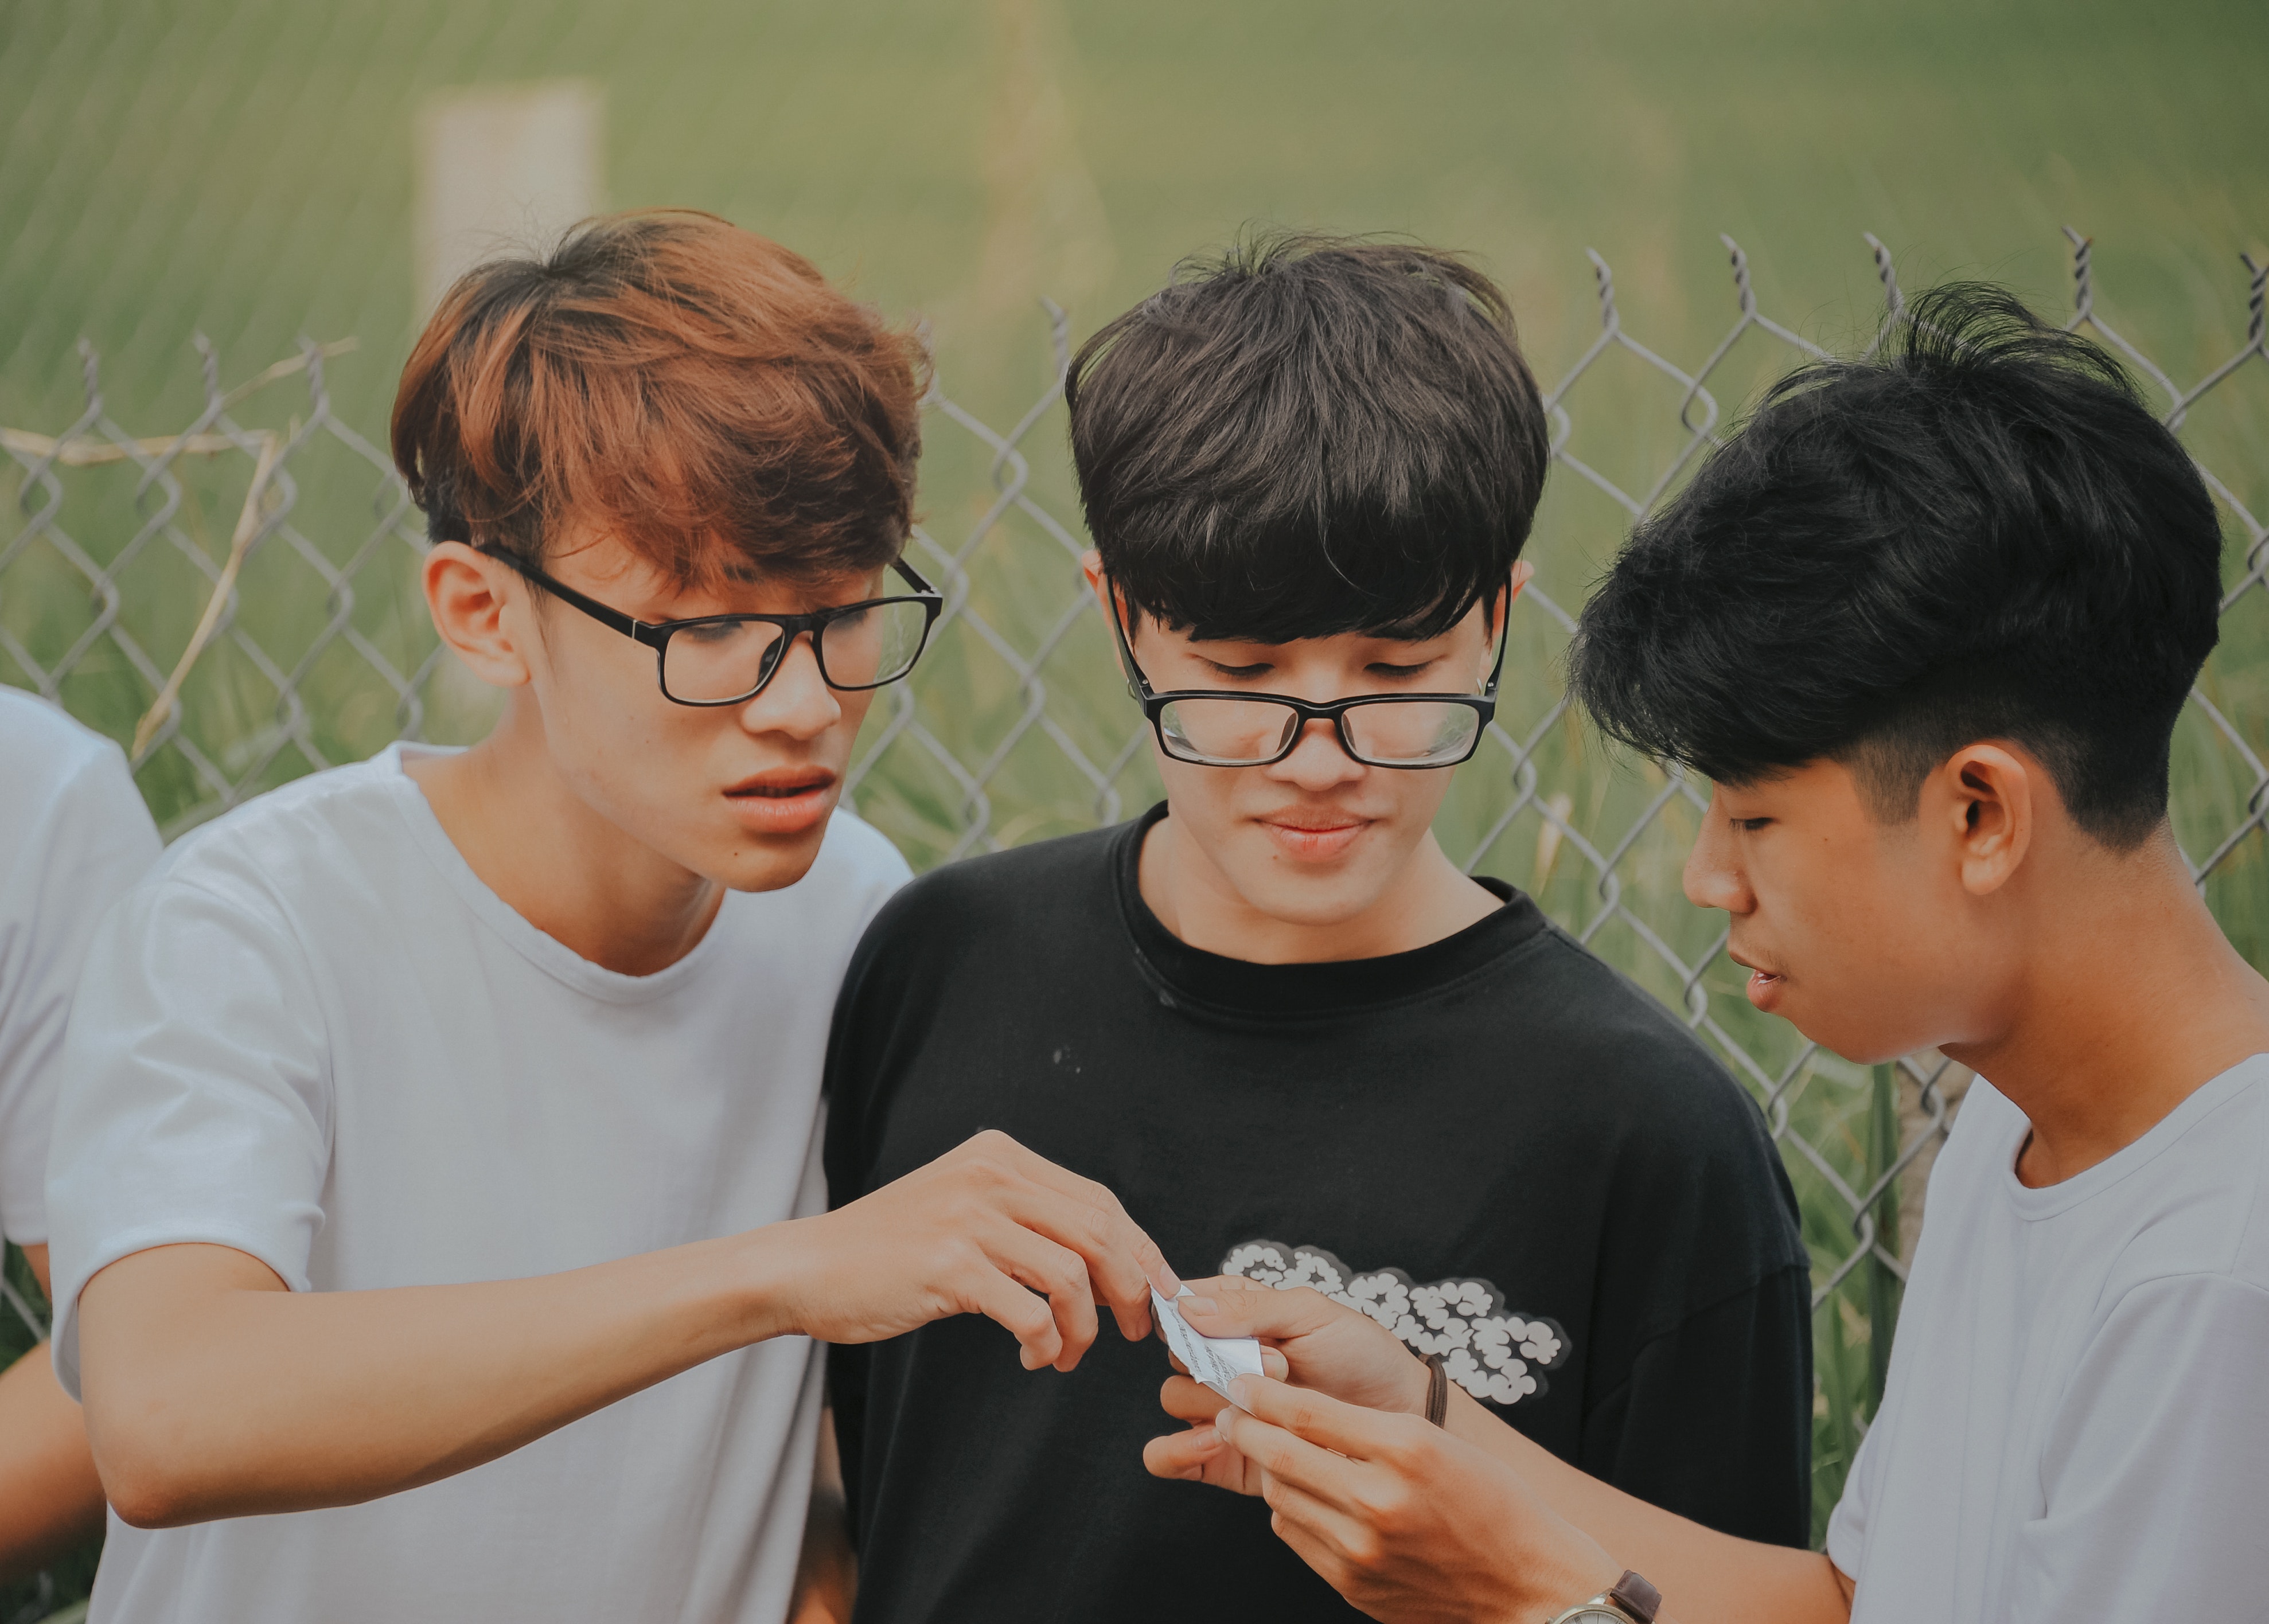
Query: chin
point(765, 864)
point(1861, 1045)
point(1319, 903)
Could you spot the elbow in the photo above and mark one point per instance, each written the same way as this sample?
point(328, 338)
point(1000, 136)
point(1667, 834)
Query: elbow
point(147, 1496)
point(147, 1472)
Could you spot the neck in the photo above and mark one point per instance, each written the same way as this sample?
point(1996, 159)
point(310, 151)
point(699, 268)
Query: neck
point(574, 874)
point(1428, 899)
point(2137, 1001)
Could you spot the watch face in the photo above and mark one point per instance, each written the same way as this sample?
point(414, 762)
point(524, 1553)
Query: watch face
point(1594, 1615)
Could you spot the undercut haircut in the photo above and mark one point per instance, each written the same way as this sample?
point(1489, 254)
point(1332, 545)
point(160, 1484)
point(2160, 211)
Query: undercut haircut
point(1980, 533)
point(681, 381)
point(1307, 436)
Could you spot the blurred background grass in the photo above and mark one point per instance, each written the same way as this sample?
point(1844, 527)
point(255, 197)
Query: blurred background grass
point(246, 169)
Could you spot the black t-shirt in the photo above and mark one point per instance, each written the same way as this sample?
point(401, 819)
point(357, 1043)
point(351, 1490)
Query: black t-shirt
point(1495, 1141)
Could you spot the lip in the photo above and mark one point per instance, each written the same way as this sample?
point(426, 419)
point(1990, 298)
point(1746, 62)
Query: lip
point(782, 801)
point(1764, 985)
point(1314, 837)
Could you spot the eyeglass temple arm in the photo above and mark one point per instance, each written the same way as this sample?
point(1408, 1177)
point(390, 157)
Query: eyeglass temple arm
point(914, 579)
point(1138, 686)
point(1503, 638)
point(606, 615)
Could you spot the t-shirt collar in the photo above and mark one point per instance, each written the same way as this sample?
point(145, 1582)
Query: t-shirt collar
point(1236, 985)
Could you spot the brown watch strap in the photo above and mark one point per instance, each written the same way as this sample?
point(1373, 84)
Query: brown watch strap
point(1438, 1391)
point(1636, 1597)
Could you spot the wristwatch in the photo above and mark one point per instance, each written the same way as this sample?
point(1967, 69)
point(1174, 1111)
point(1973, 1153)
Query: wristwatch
point(1629, 1600)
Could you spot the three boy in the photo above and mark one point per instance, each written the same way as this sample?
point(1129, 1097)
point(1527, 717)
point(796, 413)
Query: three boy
point(349, 1194)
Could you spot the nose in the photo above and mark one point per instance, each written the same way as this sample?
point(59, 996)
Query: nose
point(1714, 876)
point(1317, 762)
point(797, 701)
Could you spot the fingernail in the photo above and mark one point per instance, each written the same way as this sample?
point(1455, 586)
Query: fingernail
point(1240, 1391)
point(1170, 1284)
point(1198, 1305)
point(1224, 1419)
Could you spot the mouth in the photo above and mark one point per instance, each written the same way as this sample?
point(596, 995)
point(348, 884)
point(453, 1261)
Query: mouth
point(1764, 985)
point(783, 800)
point(1313, 835)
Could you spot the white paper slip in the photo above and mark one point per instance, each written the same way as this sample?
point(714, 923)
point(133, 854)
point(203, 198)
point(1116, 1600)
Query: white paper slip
point(1213, 1359)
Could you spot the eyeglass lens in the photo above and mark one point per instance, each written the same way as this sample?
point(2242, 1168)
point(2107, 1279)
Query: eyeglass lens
point(874, 644)
point(1399, 733)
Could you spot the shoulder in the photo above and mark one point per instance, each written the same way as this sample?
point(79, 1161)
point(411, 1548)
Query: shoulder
point(1626, 1048)
point(313, 834)
point(53, 759)
point(1019, 891)
point(2207, 1212)
point(39, 736)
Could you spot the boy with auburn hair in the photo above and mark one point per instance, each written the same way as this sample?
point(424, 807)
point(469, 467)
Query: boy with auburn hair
point(1927, 622)
point(1275, 1019)
point(437, 1222)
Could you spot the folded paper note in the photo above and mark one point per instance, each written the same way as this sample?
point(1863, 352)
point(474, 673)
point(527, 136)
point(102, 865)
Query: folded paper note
point(1212, 1360)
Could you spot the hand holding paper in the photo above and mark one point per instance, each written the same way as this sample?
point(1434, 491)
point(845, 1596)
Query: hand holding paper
point(1212, 1360)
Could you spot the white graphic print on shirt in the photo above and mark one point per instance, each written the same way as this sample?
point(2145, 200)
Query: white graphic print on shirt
point(1494, 1355)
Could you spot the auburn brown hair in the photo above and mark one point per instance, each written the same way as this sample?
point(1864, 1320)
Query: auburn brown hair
point(684, 382)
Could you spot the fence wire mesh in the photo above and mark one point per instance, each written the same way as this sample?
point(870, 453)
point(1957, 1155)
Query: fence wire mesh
point(239, 605)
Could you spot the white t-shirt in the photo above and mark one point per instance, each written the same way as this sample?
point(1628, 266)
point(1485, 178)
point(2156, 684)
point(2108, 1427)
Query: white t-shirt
point(74, 837)
point(2076, 1424)
point(315, 1036)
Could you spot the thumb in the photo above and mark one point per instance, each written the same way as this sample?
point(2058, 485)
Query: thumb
point(1347, 1429)
point(1243, 1312)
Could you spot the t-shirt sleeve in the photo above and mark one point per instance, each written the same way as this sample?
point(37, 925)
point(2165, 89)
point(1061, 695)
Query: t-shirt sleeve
point(2156, 1468)
point(195, 1105)
point(1847, 1525)
point(95, 841)
point(1714, 1422)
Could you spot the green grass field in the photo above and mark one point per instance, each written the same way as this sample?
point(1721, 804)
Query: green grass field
point(245, 171)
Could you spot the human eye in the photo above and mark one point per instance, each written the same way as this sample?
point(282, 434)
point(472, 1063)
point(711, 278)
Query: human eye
point(1390, 672)
point(1751, 825)
point(1236, 674)
point(711, 632)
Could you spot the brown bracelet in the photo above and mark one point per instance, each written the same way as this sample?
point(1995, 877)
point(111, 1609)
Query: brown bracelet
point(1437, 1388)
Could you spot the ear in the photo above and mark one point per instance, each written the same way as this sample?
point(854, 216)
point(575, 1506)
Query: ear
point(466, 592)
point(1523, 572)
point(1987, 796)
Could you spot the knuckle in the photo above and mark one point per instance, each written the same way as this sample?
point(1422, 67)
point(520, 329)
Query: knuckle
point(1389, 1507)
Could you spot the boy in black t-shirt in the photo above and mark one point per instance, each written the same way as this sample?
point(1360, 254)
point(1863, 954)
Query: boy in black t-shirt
point(1309, 469)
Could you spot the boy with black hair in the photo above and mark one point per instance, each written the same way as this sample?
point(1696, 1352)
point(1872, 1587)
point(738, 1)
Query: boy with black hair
point(1927, 622)
point(1274, 1018)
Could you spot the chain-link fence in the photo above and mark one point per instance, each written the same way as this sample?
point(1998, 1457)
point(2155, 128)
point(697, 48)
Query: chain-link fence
point(238, 603)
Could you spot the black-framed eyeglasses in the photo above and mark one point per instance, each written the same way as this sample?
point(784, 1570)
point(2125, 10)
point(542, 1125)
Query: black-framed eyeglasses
point(1228, 727)
point(727, 659)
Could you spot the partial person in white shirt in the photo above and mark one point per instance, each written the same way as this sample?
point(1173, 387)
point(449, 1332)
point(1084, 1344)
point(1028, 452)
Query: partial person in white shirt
point(439, 1227)
point(74, 836)
point(1927, 623)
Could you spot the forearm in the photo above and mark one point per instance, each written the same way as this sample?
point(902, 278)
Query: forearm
point(210, 1392)
point(1705, 1576)
point(49, 1496)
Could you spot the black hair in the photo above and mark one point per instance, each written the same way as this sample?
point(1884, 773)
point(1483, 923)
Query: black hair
point(1310, 435)
point(1980, 532)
